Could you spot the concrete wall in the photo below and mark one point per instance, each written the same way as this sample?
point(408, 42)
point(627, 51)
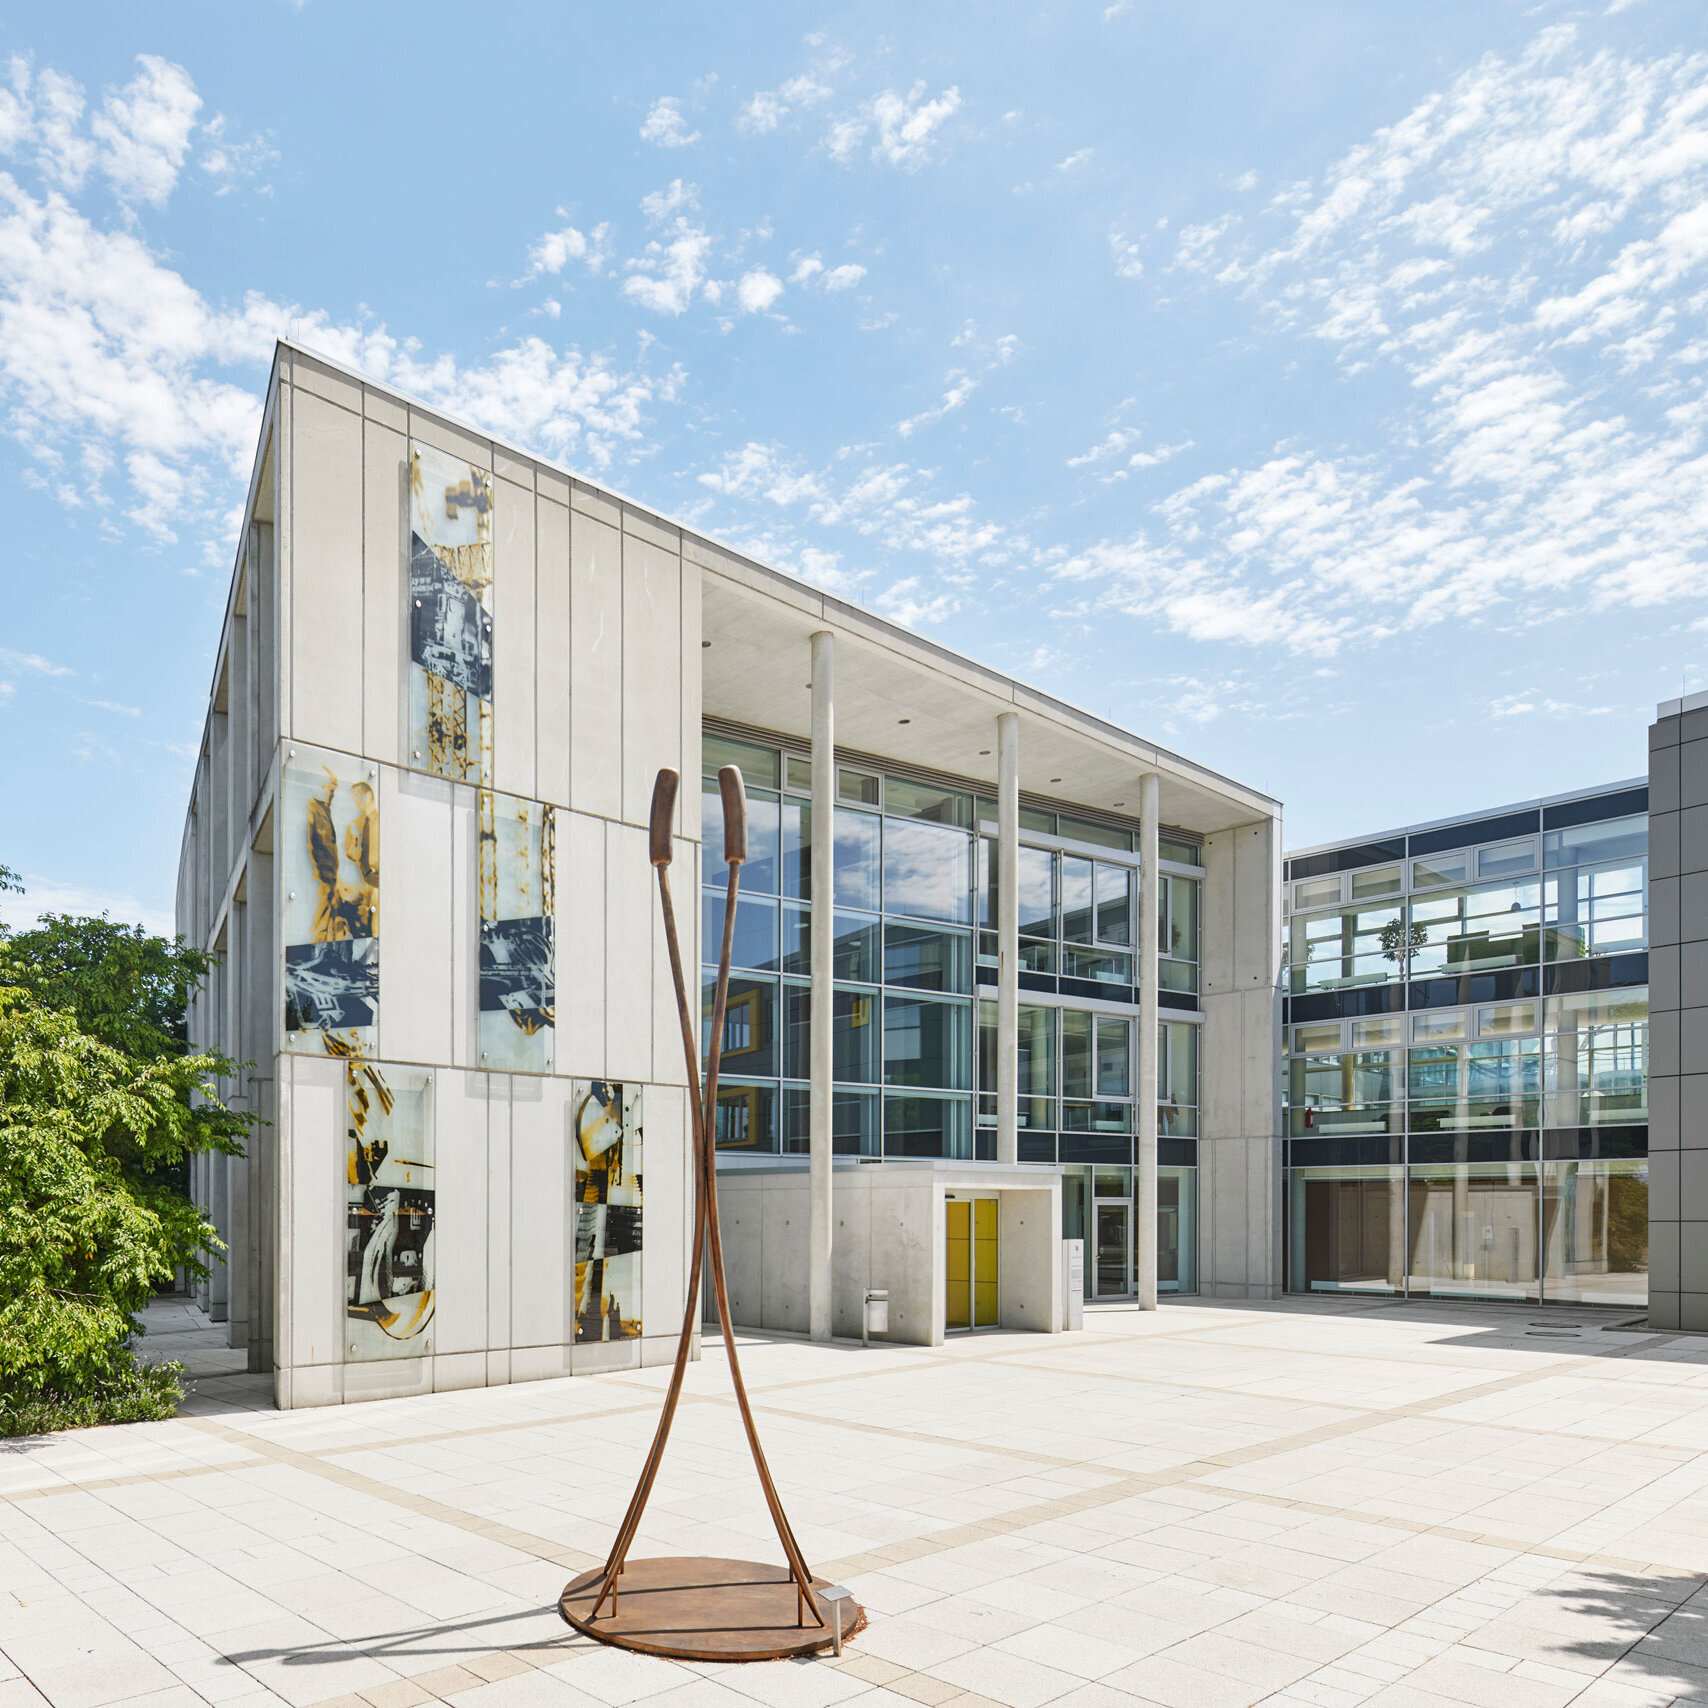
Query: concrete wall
point(1239, 1146)
point(596, 684)
point(889, 1231)
point(1678, 1015)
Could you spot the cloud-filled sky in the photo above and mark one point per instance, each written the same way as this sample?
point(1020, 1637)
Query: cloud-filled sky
point(1317, 388)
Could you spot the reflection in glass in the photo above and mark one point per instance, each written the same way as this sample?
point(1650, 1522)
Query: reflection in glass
point(758, 765)
point(1495, 925)
point(750, 1024)
point(1471, 1229)
point(853, 1122)
point(857, 859)
point(926, 959)
point(927, 871)
point(746, 1117)
point(854, 949)
point(1037, 956)
point(1483, 1086)
point(854, 1039)
point(1612, 839)
point(1114, 903)
point(1176, 1230)
point(755, 940)
point(858, 786)
point(1114, 1046)
point(1596, 1058)
point(904, 798)
point(1076, 1053)
point(923, 1125)
point(1176, 975)
point(1097, 1117)
point(1177, 1066)
point(797, 848)
point(1595, 1231)
point(797, 939)
point(1346, 1230)
point(1345, 1094)
point(1037, 893)
point(1358, 946)
point(760, 874)
point(928, 1042)
point(1596, 910)
point(1088, 830)
point(1076, 899)
point(1109, 966)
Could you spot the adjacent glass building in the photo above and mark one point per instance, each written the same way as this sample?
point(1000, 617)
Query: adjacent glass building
point(1465, 1017)
point(915, 970)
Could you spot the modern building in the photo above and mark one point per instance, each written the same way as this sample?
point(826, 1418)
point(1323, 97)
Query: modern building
point(1678, 1059)
point(1025, 979)
point(1467, 1056)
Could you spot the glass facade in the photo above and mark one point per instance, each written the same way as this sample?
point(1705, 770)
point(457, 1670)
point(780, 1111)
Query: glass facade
point(1465, 1083)
point(914, 963)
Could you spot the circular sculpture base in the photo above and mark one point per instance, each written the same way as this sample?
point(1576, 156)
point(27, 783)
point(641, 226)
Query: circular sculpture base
point(705, 1610)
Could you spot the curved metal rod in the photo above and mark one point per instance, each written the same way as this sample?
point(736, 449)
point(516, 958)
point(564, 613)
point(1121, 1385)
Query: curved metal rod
point(707, 1233)
point(649, 1473)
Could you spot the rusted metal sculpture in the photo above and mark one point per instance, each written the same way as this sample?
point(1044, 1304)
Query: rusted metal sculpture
point(705, 1609)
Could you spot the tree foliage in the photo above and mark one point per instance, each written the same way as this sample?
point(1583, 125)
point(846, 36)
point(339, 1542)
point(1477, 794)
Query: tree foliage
point(100, 1104)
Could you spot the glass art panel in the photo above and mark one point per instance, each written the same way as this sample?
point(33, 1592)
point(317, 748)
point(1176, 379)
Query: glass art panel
point(606, 1143)
point(389, 1212)
point(450, 616)
point(331, 861)
point(518, 904)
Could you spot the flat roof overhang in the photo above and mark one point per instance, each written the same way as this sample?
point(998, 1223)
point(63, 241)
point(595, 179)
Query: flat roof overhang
point(902, 697)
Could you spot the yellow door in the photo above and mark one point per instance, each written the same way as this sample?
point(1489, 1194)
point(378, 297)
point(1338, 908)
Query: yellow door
point(957, 1311)
point(984, 1263)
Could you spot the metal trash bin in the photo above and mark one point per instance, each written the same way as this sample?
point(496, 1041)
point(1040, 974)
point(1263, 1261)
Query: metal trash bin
point(876, 1318)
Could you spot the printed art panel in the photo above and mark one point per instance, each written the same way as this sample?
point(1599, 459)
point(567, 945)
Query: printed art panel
point(389, 1212)
point(330, 842)
point(605, 1141)
point(450, 616)
point(518, 984)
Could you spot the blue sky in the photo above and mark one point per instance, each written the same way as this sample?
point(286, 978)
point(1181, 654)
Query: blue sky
point(1316, 387)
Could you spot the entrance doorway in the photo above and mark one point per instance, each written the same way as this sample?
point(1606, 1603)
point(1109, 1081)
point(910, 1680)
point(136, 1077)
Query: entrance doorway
point(1112, 1265)
point(970, 1229)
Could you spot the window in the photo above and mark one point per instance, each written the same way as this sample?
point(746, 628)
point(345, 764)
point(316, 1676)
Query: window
point(1478, 930)
point(1182, 853)
point(906, 799)
point(1115, 903)
point(1505, 1019)
point(1177, 1079)
point(927, 871)
point(858, 860)
point(1378, 881)
point(1386, 1033)
point(928, 1042)
point(1440, 869)
point(1596, 1058)
point(1444, 1023)
point(1479, 1087)
point(1359, 1092)
point(858, 787)
point(1505, 858)
point(1325, 1035)
point(1612, 839)
point(1332, 951)
point(926, 959)
point(1595, 910)
point(1316, 892)
point(758, 765)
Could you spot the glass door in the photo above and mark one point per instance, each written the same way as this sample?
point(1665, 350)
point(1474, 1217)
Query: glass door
point(1113, 1264)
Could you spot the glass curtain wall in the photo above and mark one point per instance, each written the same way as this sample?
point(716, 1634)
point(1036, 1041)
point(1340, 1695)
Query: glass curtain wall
point(1444, 1144)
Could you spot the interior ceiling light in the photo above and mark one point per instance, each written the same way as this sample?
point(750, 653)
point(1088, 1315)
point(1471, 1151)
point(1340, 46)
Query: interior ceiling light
point(1055, 779)
point(904, 720)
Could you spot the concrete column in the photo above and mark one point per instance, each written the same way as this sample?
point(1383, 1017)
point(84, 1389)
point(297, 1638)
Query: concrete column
point(822, 1066)
point(1144, 1184)
point(1008, 937)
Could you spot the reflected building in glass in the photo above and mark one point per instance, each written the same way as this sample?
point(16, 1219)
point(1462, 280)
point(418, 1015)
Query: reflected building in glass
point(915, 961)
point(1465, 1085)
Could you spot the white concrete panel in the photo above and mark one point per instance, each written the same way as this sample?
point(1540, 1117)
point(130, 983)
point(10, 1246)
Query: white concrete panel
point(1216, 940)
point(327, 383)
point(785, 1209)
point(326, 576)
point(590, 501)
point(542, 1223)
point(385, 575)
point(741, 1221)
point(688, 799)
point(653, 529)
point(453, 441)
point(513, 619)
point(465, 927)
point(665, 1212)
point(652, 670)
point(388, 411)
point(459, 1240)
point(310, 1385)
point(596, 667)
point(316, 1227)
point(458, 1370)
point(539, 1363)
point(548, 483)
point(513, 468)
point(581, 1014)
point(601, 1357)
point(851, 1254)
point(551, 653)
point(416, 830)
point(387, 1379)
point(504, 1089)
point(668, 1064)
point(629, 959)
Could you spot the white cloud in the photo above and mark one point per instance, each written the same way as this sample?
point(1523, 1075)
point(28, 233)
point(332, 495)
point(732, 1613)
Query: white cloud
point(659, 205)
point(556, 249)
point(1129, 264)
point(906, 126)
point(144, 130)
point(770, 107)
point(1548, 446)
point(1077, 158)
point(34, 663)
point(845, 277)
point(808, 268)
point(43, 895)
point(665, 126)
point(673, 268)
point(230, 163)
point(758, 290)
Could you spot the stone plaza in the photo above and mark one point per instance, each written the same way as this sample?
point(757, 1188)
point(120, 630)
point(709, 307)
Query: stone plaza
point(1304, 1502)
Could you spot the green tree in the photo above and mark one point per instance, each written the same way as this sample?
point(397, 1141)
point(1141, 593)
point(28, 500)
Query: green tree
point(101, 1103)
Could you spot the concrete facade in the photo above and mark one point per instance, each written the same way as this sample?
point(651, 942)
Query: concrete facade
point(1678, 1024)
point(613, 635)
